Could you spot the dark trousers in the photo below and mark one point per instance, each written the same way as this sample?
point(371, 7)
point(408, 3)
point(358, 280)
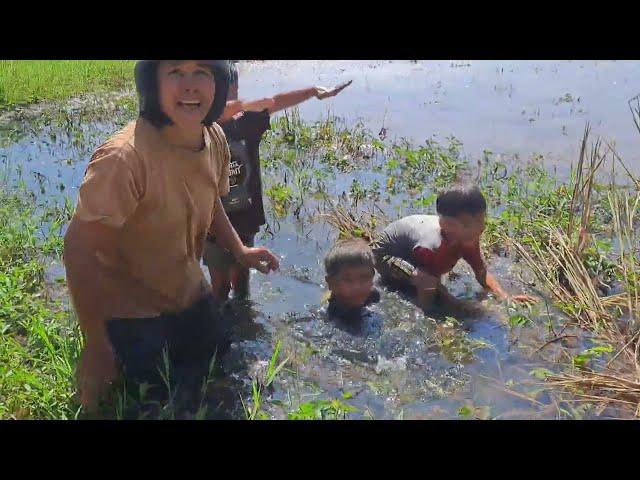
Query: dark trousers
point(184, 341)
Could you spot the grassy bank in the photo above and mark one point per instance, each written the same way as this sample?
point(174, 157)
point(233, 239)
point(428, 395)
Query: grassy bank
point(32, 81)
point(39, 343)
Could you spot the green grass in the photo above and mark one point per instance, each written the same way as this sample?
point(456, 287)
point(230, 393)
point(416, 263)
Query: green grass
point(260, 385)
point(39, 343)
point(32, 81)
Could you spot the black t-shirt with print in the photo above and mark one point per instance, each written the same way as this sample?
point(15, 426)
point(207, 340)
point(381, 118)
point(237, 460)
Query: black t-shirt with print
point(244, 205)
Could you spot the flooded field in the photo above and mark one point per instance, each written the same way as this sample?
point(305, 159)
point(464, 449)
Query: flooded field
point(398, 134)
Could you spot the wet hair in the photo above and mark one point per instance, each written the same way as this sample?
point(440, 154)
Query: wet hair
point(351, 252)
point(461, 198)
point(146, 75)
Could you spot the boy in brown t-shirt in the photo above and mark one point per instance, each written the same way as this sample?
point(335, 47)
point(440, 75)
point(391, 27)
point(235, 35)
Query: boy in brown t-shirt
point(133, 247)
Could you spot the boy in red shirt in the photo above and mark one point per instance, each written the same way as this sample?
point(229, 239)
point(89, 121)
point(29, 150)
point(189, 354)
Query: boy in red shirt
point(415, 251)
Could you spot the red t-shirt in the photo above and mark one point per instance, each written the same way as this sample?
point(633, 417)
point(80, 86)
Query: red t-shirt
point(419, 240)
point(442, 259)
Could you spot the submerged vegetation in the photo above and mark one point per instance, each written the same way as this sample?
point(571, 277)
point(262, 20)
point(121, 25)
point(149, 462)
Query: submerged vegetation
point(572, 241)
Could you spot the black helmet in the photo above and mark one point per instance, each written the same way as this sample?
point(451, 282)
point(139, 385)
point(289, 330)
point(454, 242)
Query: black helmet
point(146, 74)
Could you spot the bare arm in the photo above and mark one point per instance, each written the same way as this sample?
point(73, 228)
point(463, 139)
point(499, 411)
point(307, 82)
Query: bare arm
point(83, 241)
point(224, 232)
point(279, 102)
point(489, 282)
point(259, 258)
point(290, 99)
point(295, 97)
point(231, 108)
point(97, 366)
point(234, 107)
point(275, 104)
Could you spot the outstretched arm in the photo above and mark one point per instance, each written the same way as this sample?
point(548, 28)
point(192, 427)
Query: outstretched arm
point(489, 282)
point(295, 97)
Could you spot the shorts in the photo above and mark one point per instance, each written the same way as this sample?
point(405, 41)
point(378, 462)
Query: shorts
point(186, 340)
point(390, 276)
point(220, 258)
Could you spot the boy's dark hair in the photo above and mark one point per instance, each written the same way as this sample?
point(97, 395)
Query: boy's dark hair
point(459, 199)
point(351, 252)
point(146, 74)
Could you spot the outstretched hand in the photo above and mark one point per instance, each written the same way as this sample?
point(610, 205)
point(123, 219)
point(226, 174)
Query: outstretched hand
point(259, 258)
point(323, 92)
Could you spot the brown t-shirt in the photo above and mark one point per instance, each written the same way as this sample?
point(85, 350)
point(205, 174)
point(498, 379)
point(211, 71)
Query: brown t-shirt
point(161, 199)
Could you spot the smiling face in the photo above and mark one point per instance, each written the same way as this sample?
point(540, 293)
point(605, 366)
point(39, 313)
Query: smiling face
point(186, 89)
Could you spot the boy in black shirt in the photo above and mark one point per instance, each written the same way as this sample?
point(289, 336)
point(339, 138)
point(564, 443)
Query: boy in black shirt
point(244, 123)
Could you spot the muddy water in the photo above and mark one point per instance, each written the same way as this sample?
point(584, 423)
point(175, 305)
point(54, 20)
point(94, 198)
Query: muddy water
point(398, 363)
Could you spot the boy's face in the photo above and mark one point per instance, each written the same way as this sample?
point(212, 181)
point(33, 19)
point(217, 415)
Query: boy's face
point(351, 286)
point(464, 229)
point(186, 89)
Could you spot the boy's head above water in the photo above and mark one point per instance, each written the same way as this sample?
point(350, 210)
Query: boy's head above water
point(349, 267)
point(462, 210)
